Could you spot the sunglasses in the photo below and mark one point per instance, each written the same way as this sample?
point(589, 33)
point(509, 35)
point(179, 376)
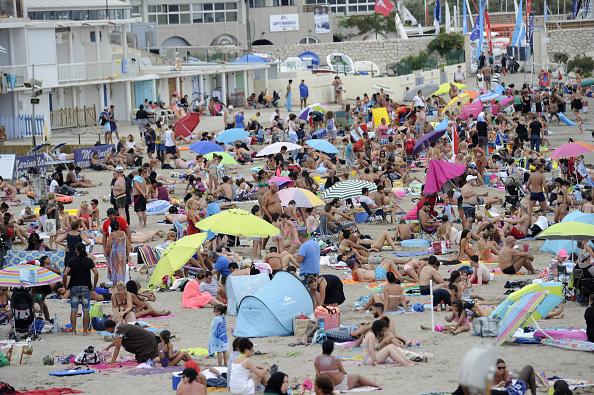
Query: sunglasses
point(501, 367)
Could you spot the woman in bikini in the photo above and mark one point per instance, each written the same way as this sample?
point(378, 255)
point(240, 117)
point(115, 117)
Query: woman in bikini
point(142, 308)
point(331, 367)
point(465, 246)
point(373, 355)
point(392, 297)
point(289, 231)
point(562, 202)
point(122, 306)
point(263, 185)
point(83, 216)
point(488, 248)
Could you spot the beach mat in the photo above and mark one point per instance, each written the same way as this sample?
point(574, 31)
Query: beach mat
point(366, 388)
point(407, 254)
point(155, 370)
point(150, 317)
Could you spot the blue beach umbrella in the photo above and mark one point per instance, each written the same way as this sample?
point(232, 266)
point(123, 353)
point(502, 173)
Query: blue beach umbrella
point(205, 147)
point(231, 135)
point(322, 145)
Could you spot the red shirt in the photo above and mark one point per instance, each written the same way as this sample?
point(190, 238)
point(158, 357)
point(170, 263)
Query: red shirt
point(107, 223)
point(359, 144)
point(192, 229)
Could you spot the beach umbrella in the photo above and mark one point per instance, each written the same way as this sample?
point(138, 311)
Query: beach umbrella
point(282, 182)
point(348, 189)
point(426, 89)
point(185, 126)
point(276, 148)
point(238, 222)
point(570, 150)
point(518, 313)
point(323, 145)
point(426, 139)
point(473, 108)
point(302, 197)
point(489, 96)
point(453, 106)
point(571, 230)
point(553, 298)
point(386, 89)
point(304, 114)
point(231, 135)
point(445, 88)
point(27, 276)
point(506, 101)
point(440, 176)
point(553, 246)
point(176, 255)
point(227, 159)
point(205, 147)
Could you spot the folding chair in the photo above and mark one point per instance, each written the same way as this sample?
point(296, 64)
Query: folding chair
point(324, 232)
point(422, 232)
point(564, 277)
point(372, 213)
point(55, 150)
point(147, 258)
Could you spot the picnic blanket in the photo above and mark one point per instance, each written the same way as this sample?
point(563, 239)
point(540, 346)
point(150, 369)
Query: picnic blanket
point(156, 370)
point(150, 317)
point(412, 253)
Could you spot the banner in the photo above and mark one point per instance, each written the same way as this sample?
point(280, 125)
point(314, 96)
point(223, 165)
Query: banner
point(481, 18)
point(283, 23)
point(321, 20)
point(24, 162)
point(488, 29)
point(474, 35)
point(408, 16)
point(531, 28)
point(384, 7)
point(82, 156)
point(464, 22)
point(528, 11)
point(516, 37)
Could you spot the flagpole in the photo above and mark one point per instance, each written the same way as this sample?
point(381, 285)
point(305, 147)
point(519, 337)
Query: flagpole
point(376, 26)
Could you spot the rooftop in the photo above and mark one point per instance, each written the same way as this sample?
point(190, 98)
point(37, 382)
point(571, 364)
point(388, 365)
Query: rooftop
point(56, 5)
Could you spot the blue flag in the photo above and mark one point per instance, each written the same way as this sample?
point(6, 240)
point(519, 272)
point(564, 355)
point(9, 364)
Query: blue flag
point(437, 11)
point(464, 22)
point(517, 35)
point(481, 18)
point(474, 35)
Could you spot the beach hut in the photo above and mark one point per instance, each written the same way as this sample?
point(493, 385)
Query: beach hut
point(238, 287)
point(311, 60)
point(270, 311)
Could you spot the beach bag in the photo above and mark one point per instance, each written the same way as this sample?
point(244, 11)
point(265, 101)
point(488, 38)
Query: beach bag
point(87, 357)
point(300, 326)
point(97, 317)
point(50, 227)
point(102, 120)
point(19, 354)
point(441, 247)
point(486, 326)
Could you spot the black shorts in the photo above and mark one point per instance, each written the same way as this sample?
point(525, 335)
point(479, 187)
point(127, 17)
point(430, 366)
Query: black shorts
point(170, 149)
point(139, 203)
point(106, 297)
point(424, 289)
point(150, 147)
point(538, 107)
point(509, 270)
point(441, 295)
point(120, 202)
point(518, 107)
point(469, 211)
point(97, 167)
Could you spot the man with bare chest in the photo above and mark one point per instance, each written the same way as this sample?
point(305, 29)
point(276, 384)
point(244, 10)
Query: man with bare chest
point(537, 186)
point(272, 202)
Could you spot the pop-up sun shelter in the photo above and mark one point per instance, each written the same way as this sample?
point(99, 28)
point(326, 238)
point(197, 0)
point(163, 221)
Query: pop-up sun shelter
point(270, 311)
point(238, 287)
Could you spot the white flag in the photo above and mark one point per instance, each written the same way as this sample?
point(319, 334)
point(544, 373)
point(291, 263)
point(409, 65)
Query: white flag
point(408, 16)
point(400, 27)
point(420, 29)
point(447, 18)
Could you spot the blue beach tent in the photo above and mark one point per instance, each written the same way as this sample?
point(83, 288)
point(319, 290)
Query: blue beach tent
point(238, 287)
point(270, 311)
point(555, 245)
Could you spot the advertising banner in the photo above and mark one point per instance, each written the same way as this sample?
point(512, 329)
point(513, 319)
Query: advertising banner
point(82, 156)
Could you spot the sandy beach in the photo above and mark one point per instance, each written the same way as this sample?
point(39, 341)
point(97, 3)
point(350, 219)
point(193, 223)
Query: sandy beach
point(191, 327)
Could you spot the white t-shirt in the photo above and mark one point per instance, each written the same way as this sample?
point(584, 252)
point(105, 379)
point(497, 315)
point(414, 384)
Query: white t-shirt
point(458, 75)
point(419, 101)
point(542, 222)
point(169, 141)
point(367, 200)
point(54, 186)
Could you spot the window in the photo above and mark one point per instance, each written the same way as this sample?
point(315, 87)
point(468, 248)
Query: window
point(308, 40)
point(223, 12)
point(277, 3)
point(171, 14)
point(257, 3)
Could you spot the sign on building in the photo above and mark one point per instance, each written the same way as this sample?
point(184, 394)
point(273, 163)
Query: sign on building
point(321, 19)
point(283, 23)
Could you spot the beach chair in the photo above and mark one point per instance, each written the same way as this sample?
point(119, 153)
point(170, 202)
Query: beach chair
point(55, 150)
point(179, 229)
point(146, 258)
point(583, 173)
point(423, 233)
point(37, 148)
point(372, 214)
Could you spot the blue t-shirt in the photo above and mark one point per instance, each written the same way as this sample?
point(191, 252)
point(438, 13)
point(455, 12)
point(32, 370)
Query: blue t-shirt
point(303, 91)
point(310, 251)
point(349, 151)
point(222, 265)
point(150, 137)
point(239, 121)
point(212, 209)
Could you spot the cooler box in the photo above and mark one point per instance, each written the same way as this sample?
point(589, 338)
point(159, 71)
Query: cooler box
point(361, 217)
point(488, 178)
point(331, 320)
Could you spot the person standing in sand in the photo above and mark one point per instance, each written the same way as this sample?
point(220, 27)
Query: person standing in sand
point(79, 269)
point(537, 185)
point(511, 260)
point(271, 202)
point(288, 96)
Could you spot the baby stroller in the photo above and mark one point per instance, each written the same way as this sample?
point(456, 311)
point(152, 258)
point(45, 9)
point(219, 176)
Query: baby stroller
point(513, 188)
point(23, 315)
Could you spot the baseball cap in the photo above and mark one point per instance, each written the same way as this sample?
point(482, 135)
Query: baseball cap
point(193, 365)
point(470, 177)
point(190, 373)
point(562, 253)
point(120, 168)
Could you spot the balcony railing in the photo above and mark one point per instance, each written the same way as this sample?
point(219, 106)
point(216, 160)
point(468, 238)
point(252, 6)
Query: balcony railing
point(77, 72)
point(20, 72)
point(73, 117)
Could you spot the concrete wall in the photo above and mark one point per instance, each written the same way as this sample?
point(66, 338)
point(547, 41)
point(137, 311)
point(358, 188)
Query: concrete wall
point(320, 85)
point(379, 52)
point(570, 41)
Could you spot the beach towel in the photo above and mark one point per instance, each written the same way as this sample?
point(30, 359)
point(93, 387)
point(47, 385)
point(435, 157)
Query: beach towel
point(150, 317)
point(196, 351)
point(155, 370)
point(52, 391)
point(353, 281)
point(218, 341)
point(361, 389)
point(400, 311)
point(407, 254)
point(192, 297)
point(572, 383)
point(569, 344)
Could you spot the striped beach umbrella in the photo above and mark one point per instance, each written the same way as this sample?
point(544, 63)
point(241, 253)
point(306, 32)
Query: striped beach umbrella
point(276, 148)
point(27, 276)
point(302, 197)
point(518, 313)
point(386, 89)
point(348, 189)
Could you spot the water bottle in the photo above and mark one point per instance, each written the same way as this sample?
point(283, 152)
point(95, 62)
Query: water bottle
point(321, 323)
point(56, 327)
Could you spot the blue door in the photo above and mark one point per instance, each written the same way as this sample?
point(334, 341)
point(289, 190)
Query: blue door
point(142, 90)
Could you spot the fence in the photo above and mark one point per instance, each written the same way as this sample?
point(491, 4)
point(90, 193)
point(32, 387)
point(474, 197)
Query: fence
point(73, 117)
point(73, 72)
point(21, 127)
point(455, 57)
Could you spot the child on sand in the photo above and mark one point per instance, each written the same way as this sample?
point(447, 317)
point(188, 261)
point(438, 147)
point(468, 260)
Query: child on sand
point(219, 342)
point(167, 356)
point(459, 315)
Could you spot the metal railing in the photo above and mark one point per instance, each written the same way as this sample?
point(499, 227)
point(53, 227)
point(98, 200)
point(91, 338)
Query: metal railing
point(20, 71)
point(21, 127)
point(74, 72)
point(73, 117)
point(455, 57)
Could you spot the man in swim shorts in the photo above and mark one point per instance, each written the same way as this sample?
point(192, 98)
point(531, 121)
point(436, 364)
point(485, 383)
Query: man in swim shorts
point(511, 260)
point(537, 186)
point(379, 274)
point(429, 272)
point(517, 228)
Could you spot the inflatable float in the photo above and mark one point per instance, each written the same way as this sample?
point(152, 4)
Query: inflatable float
point(567, 121)
point(545, 79)
point(72, 372)
point(415, 243)
point(59, 197)
point(567, 333)
point(71, 211)
point(157, 207)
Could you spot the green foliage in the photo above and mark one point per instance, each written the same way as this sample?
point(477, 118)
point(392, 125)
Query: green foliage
point(416, 61)
point(444, 43)
point(368, 24)
point(584, 64)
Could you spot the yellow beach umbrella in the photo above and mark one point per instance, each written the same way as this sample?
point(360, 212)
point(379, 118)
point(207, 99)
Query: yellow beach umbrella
point(227, 159)
point(445, 88)
point(453, 107)
point(176, 256)
point(238, 222)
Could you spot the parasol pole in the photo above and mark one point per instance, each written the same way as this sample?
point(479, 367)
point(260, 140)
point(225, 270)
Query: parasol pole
point(432, 311)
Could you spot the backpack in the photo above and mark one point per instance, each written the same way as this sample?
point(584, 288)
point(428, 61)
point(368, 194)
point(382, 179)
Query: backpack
point(486, 326)
point(409, 145)
point(102, 120)
point(87, 357)
point(97, 317)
